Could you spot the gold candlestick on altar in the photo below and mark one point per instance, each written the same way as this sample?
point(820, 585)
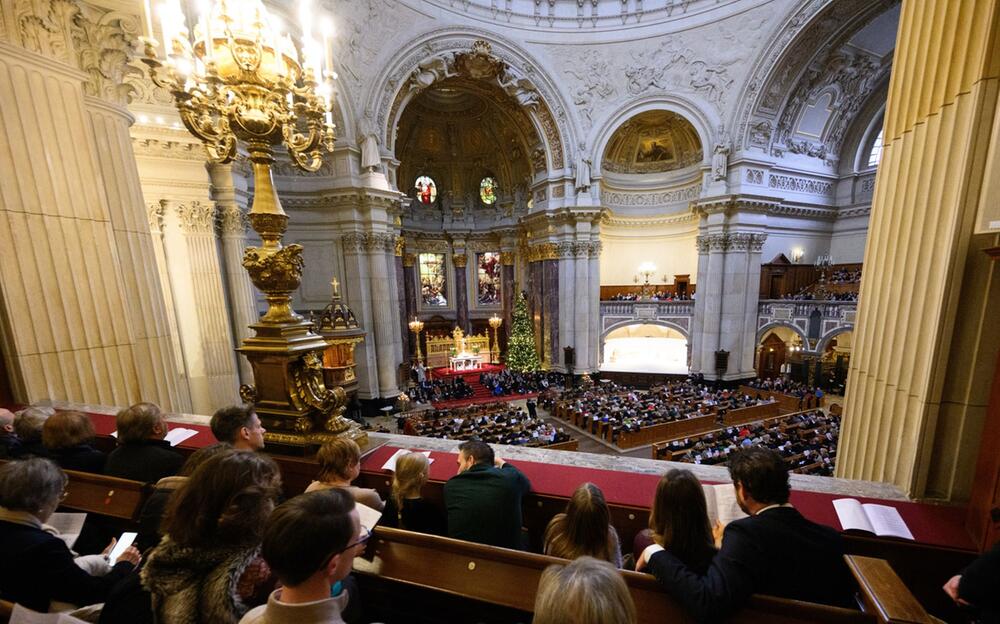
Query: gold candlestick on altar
point(416, 327)
point(495, 322)
point(239, 79)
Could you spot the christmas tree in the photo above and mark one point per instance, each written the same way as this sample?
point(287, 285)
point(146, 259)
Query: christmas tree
point(521, 354)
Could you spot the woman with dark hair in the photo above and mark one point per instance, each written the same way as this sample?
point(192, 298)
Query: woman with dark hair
point(584, 529)
point(406, 508)
point(208, 567)
point(679, 519)
point(67, 437)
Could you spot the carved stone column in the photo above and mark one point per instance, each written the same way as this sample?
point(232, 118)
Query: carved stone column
point(197, 284)
point(233, 224)
point(507, 293)
point(400, 281)
point(357, 274)
point(388, 346)
point(410, 296)
point(582, 307)
point(726, 303)
point(567, 321)
point(595, 305)
point(460, 260)
point(70, 322)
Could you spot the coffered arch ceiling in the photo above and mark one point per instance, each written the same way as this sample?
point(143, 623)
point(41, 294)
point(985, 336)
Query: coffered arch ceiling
point(654, 141)
point(831, 63)
point(459, 131)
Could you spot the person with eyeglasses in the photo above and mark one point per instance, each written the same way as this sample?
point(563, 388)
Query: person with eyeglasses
point(310, 542)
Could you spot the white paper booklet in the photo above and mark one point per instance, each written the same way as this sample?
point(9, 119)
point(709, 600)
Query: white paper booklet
point(390, 464)
point(882, 520)
point(22, 615)
point(369, 516)
point(722, 505)
point(178, 435)
point(69, 526)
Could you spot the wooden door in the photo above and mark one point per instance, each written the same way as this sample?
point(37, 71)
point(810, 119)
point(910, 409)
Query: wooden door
point(772, 357)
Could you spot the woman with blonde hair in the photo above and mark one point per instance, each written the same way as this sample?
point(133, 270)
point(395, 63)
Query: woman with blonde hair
point(584, 529)
point(406, 508)
point(586, 591)
point(340, 463)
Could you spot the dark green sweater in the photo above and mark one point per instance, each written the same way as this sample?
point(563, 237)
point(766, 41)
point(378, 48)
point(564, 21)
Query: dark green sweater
point(484, 505)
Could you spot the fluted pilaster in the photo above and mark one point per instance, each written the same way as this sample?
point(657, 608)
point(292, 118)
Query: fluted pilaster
point(232, 225)
point(926, 325)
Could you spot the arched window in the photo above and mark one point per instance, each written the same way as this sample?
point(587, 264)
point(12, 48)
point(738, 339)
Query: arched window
point(876, 154)
point(488, 190)
point(427, 190)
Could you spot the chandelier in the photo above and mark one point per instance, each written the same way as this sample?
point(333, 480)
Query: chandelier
point(237, 77)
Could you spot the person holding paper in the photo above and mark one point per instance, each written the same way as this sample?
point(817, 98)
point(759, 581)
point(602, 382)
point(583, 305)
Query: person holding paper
point(142, 454)
point(774, 551)
point(406, 508)
point(340, 463)
point(310, 543)
point(37, 567)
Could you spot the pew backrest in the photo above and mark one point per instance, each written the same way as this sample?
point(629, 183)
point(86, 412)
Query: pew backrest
point(105, 496)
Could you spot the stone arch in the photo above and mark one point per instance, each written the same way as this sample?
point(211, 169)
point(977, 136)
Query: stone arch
point(763, 331)
point(430, 57)
point(704, 119)
point(817, 26)
point(683, 331)
point(833, 333)
point(866, 127)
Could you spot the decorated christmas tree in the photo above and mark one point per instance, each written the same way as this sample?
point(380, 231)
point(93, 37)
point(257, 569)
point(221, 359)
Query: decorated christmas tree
point(521, 354)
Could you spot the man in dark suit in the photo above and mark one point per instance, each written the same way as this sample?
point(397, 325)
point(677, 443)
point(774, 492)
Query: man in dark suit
point(774, 551)
point(484, 499)
point(143, 454)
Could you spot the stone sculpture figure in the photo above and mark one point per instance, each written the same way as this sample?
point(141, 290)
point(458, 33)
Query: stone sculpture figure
point(370, 157)
point(720, 156)
point(582, 170)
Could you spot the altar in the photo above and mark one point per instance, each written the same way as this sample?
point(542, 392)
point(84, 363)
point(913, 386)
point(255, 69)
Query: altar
point(464, 362)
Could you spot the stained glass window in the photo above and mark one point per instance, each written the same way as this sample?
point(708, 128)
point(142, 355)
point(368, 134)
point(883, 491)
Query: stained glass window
point(488, 190)
point(427, 190)
point(876, 152)
point(432, 281)
point(488, 278)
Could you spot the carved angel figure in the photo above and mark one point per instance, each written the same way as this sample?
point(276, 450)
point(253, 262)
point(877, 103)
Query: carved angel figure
point(433, 70)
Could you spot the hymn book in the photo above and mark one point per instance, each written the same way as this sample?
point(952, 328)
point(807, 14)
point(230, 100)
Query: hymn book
point(722, 505)
point(390, 464)
point(68, 526)
point(881, 520)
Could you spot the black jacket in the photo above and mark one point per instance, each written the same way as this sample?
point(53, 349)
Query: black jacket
point(82, 457)
point(777, 552)
point(147, 461)
point(419, 515)
point(484, 505)
point(37, 568)
point(980, 585)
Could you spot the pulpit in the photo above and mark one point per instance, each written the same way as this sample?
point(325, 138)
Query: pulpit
point(342, 332)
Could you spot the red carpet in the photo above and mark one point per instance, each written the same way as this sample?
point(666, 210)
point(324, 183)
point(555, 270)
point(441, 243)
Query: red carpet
point(480, 393)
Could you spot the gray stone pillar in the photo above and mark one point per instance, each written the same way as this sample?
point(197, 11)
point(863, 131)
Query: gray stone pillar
point(582, 308)
point(401, 303)
point(567, 321)
point(410, 301)
point(595, 305)
point(357, 275)
point(380, 247)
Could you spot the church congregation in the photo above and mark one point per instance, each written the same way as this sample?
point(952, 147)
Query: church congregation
point(563, 312)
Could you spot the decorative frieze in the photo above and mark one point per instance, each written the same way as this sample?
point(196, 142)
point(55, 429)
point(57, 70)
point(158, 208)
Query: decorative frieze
point(735, 241)
point(543, 251)
point(357, 242)
point(617, 198)
point(754, 176)
point(799, 185)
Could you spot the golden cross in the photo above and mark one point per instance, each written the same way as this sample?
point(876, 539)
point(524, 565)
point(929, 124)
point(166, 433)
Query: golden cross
point(336, 288)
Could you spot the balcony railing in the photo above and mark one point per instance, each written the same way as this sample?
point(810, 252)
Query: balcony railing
point(794, 308)
point(662, 308)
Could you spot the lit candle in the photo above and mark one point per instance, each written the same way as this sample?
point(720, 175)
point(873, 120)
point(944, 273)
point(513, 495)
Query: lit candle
point(327, 29)
point(206, 17)
point(329, 118)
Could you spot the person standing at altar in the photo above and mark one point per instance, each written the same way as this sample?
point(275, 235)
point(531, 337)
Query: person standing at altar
point(484, 499)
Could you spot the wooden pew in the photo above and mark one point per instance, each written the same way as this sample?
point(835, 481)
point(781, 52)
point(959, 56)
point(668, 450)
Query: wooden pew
point(509, 579)
point(6, 609)
point(105, 496)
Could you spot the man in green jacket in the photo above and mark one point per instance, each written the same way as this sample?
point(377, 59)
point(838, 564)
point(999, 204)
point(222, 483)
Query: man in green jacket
point(484, 498)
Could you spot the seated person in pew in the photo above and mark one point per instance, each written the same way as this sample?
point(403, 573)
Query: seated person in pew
point(239, 426)
point(406, 508)
point(142, 453)
point(340, 463)
point(585, 591)
point(208, 567)
point(678, 521)
point(310, 543)
point(28, 424)
point(10, 444)
point(484, 499)
point(774, 551)
point(151, 514)
point(977, 586)
point(584, 529)
point(37, 568)
point(67, 437)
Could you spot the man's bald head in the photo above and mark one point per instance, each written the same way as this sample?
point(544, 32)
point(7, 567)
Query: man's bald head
point(6, 420)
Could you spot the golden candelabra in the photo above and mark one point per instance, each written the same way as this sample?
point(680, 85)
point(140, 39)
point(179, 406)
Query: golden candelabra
point(495, 322)
point(238, 79)
point(417, 326)
point(646, 270)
